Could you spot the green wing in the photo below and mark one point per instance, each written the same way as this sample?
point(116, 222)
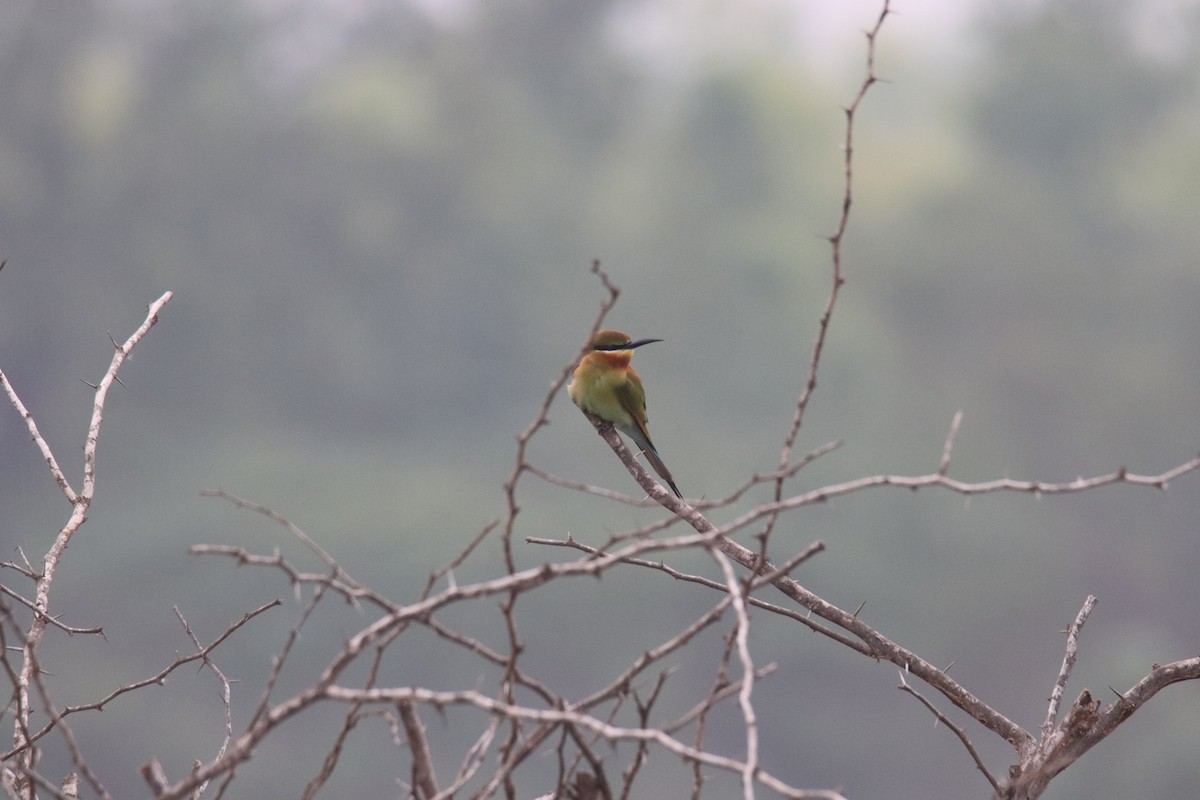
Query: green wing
point(633, 399)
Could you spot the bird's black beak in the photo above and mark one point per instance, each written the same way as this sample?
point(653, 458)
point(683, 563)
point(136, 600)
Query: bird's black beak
point(640, 342)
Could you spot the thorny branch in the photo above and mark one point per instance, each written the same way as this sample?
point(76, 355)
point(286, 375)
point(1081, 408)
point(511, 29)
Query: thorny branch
point(957, 729)
point(154, 680)
point(80, 503)
point(1064, 674)
point(835, 245)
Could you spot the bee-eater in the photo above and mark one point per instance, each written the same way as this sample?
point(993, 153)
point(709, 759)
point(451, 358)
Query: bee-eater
point(605, 385)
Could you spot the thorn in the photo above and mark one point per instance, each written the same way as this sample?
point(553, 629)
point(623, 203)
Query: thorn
point(860, 608)
point(89, 383)
point(114, 341)
point(118, 380)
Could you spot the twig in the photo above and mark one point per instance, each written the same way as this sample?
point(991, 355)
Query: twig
point(962, 487)
point(350, 591)
point(1064, 673)
point(437, 574)
point(622, 681)
point(70, 631)
point(835, 243)
point(80, 503)
point(741, 641)
point(338, 572)
point(944, 464)
point(568, 716)
point(424, 777)
point(1087, 723)
point(646, 502)
point(652, 487)
point(542, 417)
point(715, 696)
point(473, 760)
point(520, 465)
point(958, 731)
point(278, 660)
point(644, 708)
point(47, 454)
point(226, 692)
point(158, 678)
point(68, 735)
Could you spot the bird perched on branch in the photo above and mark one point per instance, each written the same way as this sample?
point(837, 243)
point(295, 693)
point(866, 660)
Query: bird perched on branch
point(605, 385)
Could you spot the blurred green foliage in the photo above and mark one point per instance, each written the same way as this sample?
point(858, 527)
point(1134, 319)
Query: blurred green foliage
point(378, 225)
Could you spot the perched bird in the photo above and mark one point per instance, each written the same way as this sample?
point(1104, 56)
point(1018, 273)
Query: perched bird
point(605, 385)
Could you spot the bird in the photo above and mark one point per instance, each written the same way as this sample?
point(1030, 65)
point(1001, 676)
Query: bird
point(605, 385)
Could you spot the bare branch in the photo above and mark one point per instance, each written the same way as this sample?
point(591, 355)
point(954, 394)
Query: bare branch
point(49, 620)
point(47, 454)
point(226, 692)
point(655, 490)
point(741, 639)
point(278, 660)
point(473, 760)
point(1085, 725)
point(599, 491)
point(962, 487)
point(1064, 673)
point(767, 575)
point(122, 352)
point(158, 679)
point(68, 736)
point(948, 447)
point(79, 508)
point(622, 682)
point(568, 716)
point(646, 502)
point(438, 573)
point(280, 520)
point(510, 746)
point(717, 695)
point(958, 731)
point(835, 243)
point(542, 417)
point(424, 777)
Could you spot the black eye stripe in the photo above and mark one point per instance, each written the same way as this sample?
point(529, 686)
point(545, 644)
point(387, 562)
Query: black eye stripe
point(610, 348)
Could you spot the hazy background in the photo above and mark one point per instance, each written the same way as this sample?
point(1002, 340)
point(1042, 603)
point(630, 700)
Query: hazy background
point(378, 219)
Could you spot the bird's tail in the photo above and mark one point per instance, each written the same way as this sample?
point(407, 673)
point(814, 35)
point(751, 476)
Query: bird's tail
point(661, 469)
point(641, 436)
